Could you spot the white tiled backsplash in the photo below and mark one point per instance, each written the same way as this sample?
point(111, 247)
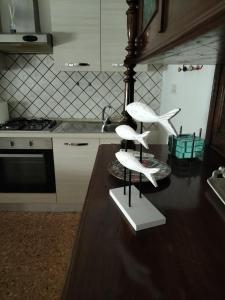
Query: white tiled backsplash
point(34, 89)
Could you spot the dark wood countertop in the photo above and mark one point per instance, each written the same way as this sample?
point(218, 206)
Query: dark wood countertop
point(181, 260)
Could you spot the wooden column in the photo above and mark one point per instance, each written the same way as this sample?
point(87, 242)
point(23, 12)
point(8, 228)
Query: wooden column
point(129, 60)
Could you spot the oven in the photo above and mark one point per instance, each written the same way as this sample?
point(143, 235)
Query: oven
point(26, 165)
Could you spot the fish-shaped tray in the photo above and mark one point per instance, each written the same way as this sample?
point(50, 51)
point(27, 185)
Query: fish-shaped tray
point(116, 169)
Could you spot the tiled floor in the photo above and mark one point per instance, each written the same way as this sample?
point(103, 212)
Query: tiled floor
point(35, 251)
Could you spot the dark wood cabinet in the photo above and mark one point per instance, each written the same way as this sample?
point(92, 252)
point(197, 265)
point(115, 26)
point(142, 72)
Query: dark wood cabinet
point(216, 121)
point(150, 11)
point(150, 8)
point(181, 31)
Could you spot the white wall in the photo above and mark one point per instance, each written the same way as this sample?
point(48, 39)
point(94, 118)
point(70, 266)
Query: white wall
point(190, 91)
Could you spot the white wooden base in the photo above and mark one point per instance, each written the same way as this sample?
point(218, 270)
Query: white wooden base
point(142, 214)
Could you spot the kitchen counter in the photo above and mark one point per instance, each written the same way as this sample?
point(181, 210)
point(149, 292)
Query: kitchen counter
point(89, 129)
point(72, 146)
point(183, 259)
point(73, 131)
point(52, 134)
point(67, 129)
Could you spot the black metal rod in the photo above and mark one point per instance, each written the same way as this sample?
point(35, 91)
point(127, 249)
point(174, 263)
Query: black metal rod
point(141, 147)
point(141, 154)
point(129, 188)
point(180, 130)
point(124, 180)
point(200, 132)
point(124, 173)
point(140, 185)
point(193, 145)
point(171, 152)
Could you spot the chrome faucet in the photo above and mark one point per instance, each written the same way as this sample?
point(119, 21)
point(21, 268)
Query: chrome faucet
point(106, 120)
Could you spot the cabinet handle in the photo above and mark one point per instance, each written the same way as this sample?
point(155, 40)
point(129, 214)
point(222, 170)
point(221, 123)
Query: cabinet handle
point(77, 64)
point(117, 65)
point(83, 64)
point(76, 144)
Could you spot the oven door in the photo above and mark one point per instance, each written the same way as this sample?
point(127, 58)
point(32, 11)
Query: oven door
point(27, 171)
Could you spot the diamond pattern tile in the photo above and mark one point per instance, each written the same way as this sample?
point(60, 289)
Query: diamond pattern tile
point(35, 89)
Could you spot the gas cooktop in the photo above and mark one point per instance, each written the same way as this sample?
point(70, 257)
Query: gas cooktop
point(29, 125)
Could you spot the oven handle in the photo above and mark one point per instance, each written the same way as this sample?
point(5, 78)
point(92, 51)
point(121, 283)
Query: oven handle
point(22, 155)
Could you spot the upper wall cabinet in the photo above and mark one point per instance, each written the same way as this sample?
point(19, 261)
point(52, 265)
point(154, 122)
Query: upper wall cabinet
point(90, 35)
point(114, 36)
point(75, 27)
point(177, 32)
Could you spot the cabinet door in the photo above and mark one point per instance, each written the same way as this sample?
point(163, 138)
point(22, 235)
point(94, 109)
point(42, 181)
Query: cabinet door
point(74, 161)
point(114, 36)
point(215, 136)
point(76, 34)
point(149, 10)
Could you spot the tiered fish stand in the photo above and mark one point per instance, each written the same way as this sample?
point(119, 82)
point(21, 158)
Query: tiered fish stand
point(137, 209)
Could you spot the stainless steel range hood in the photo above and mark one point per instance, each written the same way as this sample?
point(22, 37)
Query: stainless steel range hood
point(25, 43)
point(26, 18)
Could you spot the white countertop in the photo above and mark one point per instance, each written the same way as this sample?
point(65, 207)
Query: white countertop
point(56, 135)
point(74, 130)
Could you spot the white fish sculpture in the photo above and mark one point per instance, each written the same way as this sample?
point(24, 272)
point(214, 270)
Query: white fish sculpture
point(128, 133)
point(143, 113)
point(129, 161)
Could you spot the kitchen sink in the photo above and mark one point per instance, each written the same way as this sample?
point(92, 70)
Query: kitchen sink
point(110, 127)
point(79, 127)
point(85, 127)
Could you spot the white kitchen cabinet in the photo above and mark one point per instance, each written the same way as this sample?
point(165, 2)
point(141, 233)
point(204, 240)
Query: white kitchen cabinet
point(74, 160)
point(90, 32)
point(76, 38)
point(114, 36)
